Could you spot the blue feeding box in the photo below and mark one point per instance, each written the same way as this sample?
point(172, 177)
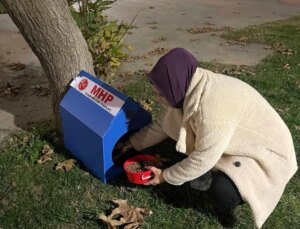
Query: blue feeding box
point(94, 117)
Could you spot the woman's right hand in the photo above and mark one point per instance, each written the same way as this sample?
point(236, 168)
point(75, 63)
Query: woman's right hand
point(125, 146)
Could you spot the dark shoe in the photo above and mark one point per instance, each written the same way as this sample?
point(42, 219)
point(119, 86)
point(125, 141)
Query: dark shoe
point(225, 217)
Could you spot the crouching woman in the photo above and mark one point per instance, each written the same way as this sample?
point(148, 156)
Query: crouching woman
point(229, 132)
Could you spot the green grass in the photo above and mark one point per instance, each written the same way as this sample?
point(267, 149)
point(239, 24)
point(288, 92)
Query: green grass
point(2, 10)
point(38, 196)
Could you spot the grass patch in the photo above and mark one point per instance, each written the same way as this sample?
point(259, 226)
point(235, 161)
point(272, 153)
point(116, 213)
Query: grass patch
point(142, 92)
point(37, 196)
point(2, 9)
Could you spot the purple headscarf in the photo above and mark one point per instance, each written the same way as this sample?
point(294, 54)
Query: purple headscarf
point(172, 75)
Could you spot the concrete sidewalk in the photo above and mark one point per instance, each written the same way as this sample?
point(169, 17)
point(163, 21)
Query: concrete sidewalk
point(164, 24)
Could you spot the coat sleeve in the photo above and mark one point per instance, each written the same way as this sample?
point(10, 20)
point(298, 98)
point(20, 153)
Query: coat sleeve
point(150, 135)
point(211, 140)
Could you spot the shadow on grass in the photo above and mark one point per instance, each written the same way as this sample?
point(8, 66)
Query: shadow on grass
point(182, 196)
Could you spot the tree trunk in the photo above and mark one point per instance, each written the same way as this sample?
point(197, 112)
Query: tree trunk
point(52, 34)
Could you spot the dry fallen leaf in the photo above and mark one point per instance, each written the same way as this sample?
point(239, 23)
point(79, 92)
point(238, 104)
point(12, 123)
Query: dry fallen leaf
point(9, 90)
point(286, 66)
point(243, 39)
point(147, 104)
point(278, 45)
point(201, 30)
point(47, 150)
point(160, 39)
point(288, 52)
point(132, 58)
point(125, 74)
point(25, 140)
point(231, 42)
point(141, 72)
point(40, 90)
point(47, 154)
point(231, 71)
point(158, 51)
point(66, 165)
point(283, 49)
point(267, 47)
point(251, 73)
point(129, 216)
point(282, 110)
point(208, 29)
point(16, 66)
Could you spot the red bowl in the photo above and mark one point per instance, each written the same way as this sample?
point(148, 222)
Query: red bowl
point(143, 176)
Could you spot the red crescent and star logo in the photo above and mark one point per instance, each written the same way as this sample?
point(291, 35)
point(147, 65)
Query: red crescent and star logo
point(83, 84)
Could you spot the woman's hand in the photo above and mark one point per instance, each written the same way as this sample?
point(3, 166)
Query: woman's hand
point(121, 148)
point(157, 178)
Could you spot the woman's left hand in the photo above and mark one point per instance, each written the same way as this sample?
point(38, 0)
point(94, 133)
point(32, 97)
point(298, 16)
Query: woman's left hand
point(157, 178)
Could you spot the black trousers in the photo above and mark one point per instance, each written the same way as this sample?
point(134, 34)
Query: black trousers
point(224, 192)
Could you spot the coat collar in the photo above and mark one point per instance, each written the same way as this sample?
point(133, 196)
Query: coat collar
point(192, 100)
point(191, 105)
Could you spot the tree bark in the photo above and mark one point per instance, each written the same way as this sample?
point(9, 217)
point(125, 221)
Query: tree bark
point(52, 34)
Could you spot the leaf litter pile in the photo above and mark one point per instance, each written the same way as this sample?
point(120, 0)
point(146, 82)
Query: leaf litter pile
point(47, 154)
point(125, 216)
